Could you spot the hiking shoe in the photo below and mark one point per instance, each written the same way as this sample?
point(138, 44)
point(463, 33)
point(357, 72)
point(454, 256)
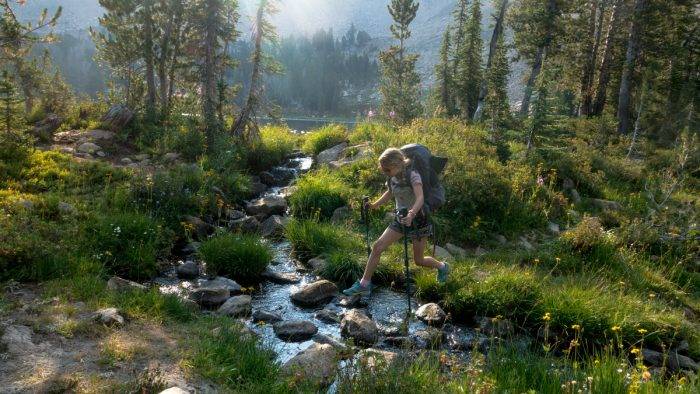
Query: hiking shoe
point(358, 289)
point(443, 273)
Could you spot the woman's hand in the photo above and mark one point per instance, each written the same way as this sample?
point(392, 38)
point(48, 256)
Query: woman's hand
point(408, 219)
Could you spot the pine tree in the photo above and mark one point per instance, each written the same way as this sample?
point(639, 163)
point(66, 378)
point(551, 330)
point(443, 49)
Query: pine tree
point(493, 46)
point(497, 107)
point(245, 125)
point(461, 16)
point(539, 111)
point(400, 82)
point(8, 103)
point(445, 83)
point(470, 71)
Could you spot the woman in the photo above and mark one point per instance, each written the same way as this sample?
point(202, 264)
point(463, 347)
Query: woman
point(406, 186)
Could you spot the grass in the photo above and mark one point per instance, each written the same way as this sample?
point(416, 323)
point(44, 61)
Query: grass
point(318, 195)
point(316, 141)
point(274, 145)
point(243, 257)
point(311, 238)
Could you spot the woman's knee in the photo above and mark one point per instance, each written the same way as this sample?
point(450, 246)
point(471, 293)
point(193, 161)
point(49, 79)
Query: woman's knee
point(419, 259)
point(379, 247)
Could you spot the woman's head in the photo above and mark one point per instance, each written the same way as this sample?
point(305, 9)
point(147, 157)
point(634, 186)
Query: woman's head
point(392, 161)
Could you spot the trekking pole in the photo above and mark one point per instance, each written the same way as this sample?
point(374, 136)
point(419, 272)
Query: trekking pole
point(364, 214)
point(402, 214)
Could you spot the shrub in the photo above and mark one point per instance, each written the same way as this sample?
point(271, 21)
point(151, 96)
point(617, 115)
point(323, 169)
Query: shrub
point(274, 145)
point(187, 140)
point(326, 137)
point(343, 268)
point(129, 244)
point(310, 238)
point(318, 194)
point(244, 257)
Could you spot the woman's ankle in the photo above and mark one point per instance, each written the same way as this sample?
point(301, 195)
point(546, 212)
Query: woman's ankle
point(365, 282)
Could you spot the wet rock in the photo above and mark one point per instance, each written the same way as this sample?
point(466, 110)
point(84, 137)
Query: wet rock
point(88, 147)
point(606, 205)
point(174, 390)
point(267, 178)
point(257, 188)
point(261, 315)
point(317, 264)
point(442, 254)
point(187, 270)
point(226, 283)
point(200, 228)
point(17, 339)
point(402, 342)
point(331, 154)
point(210, 297)
point(340, 214)
point(281, 176)
point(431, 314)
point(456, 251)
point(238, 306)
point(317, 363)
point(118, 284)
point(553, 228)
point(273, 227)
point(328, 340)
point(328, 316)
point(430, 338)
point(359, 327)
point(109, 317)
point(495, 327)
point(316, 293)
point(352, 301)
point(295, 330)
point(373, 358)
point(248, 224)
point(269, 205)
point(281, 278)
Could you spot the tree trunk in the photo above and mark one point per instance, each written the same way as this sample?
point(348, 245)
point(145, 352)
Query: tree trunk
point(497, 31)
point(589, 63)
point(148, 58)
point(604, 71)
point(624, 101)
point(536, 68)
point(209, 73)
point(163, 63)
point(182, 33)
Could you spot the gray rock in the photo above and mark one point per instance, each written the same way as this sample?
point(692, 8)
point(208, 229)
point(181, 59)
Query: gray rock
point(171, 156)
point(257, 188)
point(340, 214)
point(281, 278)
point(238, 306)
point(494, 327)
point(117, 117)
point(328, 316)
point(26, 204)
point(88, 147)
point(525, 244)
point(442, 254)
point(652, 357)
point(267, 178)
point(118, 284)
point(210, 297)
point(316, 293)
point(281, 176)
point(269, 205)
point(220, 281)
point(328, 340)
point(109, 317)
point(248, 224)
point(575, 196)
point(142, 157)
point(174, 390)
point(351, 302)
point(317, 363)
point(295, 330)
point(373, 358)
point(188, 270)
point(261, 315)
point(191, 248)
point(683, 347)
point(456, 251)
point(18, 339)
point(200, 228)
point(606, 205)
point(66, 208)
point(430, 338)
point(317, 264)
point(100, 153)
point(359, 327)
point(45, 129)
point(431, 314)
point(273, 227)
point(67, 150)
point(553, 228)
point(233, 214)
point(331, 154)
point(98, 134)
point(500, 239)
point(678, 362)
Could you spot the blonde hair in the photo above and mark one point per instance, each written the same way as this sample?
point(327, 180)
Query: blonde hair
point(393, 158)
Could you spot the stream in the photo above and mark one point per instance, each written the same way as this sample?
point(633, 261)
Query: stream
point(386, 307)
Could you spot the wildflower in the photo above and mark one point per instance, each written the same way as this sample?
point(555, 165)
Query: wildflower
point(558, 260)
point(370, 114)
point(537, 261)
point(540, 180)
point(576, 327)
point(547, 317)
point(589, 378)
point(646, 376)
point(574, 343)
point(616, 328)
point(619, 370)
point(634, 351)
point(392, 114)
point(642, 331)
point(652, 295)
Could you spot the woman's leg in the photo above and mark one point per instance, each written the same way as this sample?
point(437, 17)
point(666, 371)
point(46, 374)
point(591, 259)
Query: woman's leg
point(424, 261)
point(388, 237)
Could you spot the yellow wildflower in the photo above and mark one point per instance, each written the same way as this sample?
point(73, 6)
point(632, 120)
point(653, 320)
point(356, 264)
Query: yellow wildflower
point(634, 351)
point(547, 317)
point(576, 327)
point(616, 328)
point(646, 376)
point(642, 331)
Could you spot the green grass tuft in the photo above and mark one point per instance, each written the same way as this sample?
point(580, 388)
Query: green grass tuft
point(243, 257)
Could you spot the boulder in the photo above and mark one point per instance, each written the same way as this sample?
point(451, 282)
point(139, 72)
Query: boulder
point(328, 340)
point(45, 129)
point(109, 317)
point(100, 134)
point(317, 363)
point(174, 390)
point(238, 306)
point(117, 117)
point(118, 284)
point(442, 254)
point(430, 338)
point(678, 362)
point(273, 227)
point(257, 188)
point(500, 239)
point(373, 358)
point(331, 154)
point(340, 214)
point(101, 153)
point(431, 314)
point(295, 330)
point(88, 147)
point(261, 315)
point(281, 176)
point(317, 264)
point(553, 228)
point(171, 157)
point(456, 251)
point(220, 281)
point(606, 205)
point(267, 178)
point(142, 157)
point(316, 293)
point(248, 224)
point(187, 270)
point(359, 327)
point(66, 208)
point(328, 316)
point(281, 278)
point(269, 205)
point(210, 297)
point(17, 339)
point(525, 244)
point(233, 214)
point(200, 228)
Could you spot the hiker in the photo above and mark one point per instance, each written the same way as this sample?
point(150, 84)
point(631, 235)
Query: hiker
point(406, 185)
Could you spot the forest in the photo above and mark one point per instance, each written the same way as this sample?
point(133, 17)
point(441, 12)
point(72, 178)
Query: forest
point(167, 224)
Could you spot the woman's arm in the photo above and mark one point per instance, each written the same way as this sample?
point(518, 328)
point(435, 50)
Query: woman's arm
point(417, 206)
point(382, 200)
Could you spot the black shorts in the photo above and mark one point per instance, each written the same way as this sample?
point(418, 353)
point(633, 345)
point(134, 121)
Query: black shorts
point(420, 228)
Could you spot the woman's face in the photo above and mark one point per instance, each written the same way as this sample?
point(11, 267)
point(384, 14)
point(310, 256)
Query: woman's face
point(389, 170)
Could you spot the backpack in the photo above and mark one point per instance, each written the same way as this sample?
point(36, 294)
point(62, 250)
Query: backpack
point(429, 168)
